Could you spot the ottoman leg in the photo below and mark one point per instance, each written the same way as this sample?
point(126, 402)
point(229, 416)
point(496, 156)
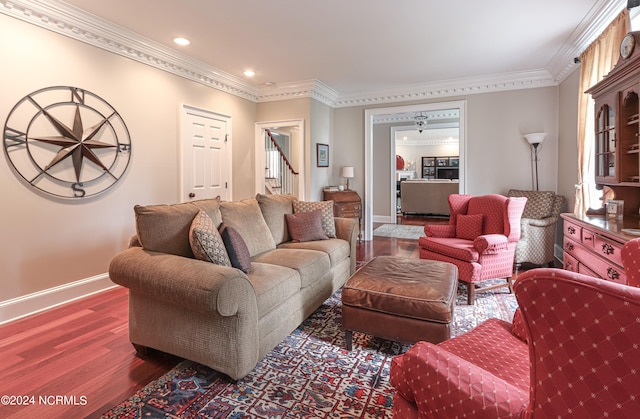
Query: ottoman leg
point(348, 338)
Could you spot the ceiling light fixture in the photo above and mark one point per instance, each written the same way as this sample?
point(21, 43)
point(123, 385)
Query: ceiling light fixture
point(249, 73)
point(421, 122)
point(181, 41)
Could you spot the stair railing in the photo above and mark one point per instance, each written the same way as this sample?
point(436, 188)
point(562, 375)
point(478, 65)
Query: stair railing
point(280, 177)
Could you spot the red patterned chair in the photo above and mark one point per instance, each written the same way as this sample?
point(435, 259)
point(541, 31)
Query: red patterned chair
point(480, 239)
point(631, 260)
point(579, 333)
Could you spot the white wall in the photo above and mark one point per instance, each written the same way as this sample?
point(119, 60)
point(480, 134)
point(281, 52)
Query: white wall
point(47, 242)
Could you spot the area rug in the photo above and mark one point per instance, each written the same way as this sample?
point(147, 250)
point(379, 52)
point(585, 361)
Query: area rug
point(399, 231)
point(308, 375)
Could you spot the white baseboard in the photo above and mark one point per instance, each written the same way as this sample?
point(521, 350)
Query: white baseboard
point(383, 219)
point(36, 302)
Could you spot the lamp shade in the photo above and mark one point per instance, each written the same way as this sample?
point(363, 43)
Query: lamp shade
point(535, 138)
point(346, 171)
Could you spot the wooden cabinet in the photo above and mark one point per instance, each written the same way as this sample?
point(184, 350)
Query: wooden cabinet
point(346, 204)
point(616, 148)
point(592, 245)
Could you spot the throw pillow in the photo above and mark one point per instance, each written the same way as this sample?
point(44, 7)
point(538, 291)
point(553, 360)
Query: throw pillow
point(469, 227)
point(206, 242)
point(306, 226)
point(236, 248)
point(326, 208)
point(246, 218)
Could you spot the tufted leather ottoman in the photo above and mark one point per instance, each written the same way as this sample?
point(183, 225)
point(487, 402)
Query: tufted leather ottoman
point(400, 299)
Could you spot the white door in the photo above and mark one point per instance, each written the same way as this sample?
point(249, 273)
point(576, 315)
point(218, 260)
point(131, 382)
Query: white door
point(206, 155)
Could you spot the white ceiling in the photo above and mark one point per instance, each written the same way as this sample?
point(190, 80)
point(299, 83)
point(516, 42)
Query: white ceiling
point(361, 49)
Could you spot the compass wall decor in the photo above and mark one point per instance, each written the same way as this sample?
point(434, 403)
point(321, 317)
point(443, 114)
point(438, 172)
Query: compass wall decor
point(67, 142)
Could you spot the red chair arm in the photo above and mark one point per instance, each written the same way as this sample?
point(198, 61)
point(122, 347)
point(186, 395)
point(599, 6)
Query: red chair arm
point(440, 230)
point(491, 243)
point(445, 385)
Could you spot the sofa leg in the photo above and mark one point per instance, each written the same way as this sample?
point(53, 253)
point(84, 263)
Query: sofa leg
point(141, 350)
point(471, 293)
point(348, 338)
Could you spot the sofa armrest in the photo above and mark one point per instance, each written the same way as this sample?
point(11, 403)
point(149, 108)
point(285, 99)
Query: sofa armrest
point(491, 243)
point(200, 286)
point(347, 229)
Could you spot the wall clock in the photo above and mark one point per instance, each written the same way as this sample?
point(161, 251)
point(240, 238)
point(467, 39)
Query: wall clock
point(67, 142)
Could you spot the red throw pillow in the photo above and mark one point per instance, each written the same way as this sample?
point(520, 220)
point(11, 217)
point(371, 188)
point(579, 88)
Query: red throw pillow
point(469, 227)
point(236, 248)
point(306, 226)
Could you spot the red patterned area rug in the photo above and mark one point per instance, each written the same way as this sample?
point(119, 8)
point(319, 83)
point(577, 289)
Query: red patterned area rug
point(308, 375)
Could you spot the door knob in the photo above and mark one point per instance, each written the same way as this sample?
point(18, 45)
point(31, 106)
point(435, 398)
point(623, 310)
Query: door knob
point(192, 195)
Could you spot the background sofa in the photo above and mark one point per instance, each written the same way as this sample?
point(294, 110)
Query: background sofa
point(219, 315)
point(422, 196)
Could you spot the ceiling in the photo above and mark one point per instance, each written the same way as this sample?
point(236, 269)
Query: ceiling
point(360, 50)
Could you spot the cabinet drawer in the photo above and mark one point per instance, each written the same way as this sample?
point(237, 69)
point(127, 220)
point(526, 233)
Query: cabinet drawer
point(570, 263)
point(572, 230)
point(606, 270)
point(608, 249)
point(582, 268)
point(588, 238)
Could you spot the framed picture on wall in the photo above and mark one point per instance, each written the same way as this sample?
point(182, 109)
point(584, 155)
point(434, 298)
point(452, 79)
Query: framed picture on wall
point(454, 161)
point(322, 154)
point(442, 161)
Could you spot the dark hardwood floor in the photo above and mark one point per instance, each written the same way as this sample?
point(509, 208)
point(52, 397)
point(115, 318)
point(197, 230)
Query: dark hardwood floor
point(76, 361)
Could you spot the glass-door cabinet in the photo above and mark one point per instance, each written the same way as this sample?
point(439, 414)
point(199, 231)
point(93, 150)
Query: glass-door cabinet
point(628, 135)
point(605, 144)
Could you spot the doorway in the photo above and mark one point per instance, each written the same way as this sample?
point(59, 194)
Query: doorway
point(391, 113)
point(293, 131)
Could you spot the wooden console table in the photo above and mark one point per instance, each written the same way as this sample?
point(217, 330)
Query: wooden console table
point(346, 204)
point(592, 245)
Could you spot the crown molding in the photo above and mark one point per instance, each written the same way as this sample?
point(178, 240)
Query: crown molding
point(451, 88)
point(594, 23)
point(75, 23)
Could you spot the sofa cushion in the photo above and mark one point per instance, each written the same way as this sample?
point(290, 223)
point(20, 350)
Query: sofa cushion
point(165, 228)
point(306, 226)
point(539, 203)
point(310, 264)
point(236, 248)
point(206, 242)
point(469, 226)
point(273, 285)
point(328, 223)
point(337, 249)
point(246, 218)
point(274, 208)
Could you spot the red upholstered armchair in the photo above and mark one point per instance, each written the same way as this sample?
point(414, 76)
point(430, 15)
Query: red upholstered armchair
point(579, 358)
point(480, 239)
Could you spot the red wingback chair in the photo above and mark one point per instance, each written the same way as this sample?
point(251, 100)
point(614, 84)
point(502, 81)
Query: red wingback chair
point(480, 239)
point(577, 356)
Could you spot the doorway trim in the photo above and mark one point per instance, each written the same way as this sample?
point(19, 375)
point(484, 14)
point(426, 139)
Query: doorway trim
point(298, 149)
point(370, 114)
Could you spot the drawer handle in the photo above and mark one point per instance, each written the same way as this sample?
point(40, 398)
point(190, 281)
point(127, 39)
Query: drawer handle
point(588, 238)
point(568, 246)
point(569, 266)
point(607, 249)
point(612, 273)
point(571, 230)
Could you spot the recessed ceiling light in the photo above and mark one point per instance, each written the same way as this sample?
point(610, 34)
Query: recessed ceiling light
point(181, 41)
point(249, 73)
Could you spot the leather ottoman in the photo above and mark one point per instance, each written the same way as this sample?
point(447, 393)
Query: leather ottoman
point(400, 299)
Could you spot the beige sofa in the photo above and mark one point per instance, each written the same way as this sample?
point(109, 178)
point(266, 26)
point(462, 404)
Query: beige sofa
point(218, 315)
point(422, 196)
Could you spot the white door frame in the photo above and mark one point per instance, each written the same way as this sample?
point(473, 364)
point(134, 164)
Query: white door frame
point(299, 149)
point(184, 109)
point(369, 115)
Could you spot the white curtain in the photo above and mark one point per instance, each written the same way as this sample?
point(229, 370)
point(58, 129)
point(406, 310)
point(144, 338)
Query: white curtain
point(596, 62)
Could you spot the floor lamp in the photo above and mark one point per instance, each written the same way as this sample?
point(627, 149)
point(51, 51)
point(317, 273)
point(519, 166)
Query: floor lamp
point(535, 140)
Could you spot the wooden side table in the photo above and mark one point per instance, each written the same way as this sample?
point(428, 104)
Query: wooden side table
point(346, 204)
